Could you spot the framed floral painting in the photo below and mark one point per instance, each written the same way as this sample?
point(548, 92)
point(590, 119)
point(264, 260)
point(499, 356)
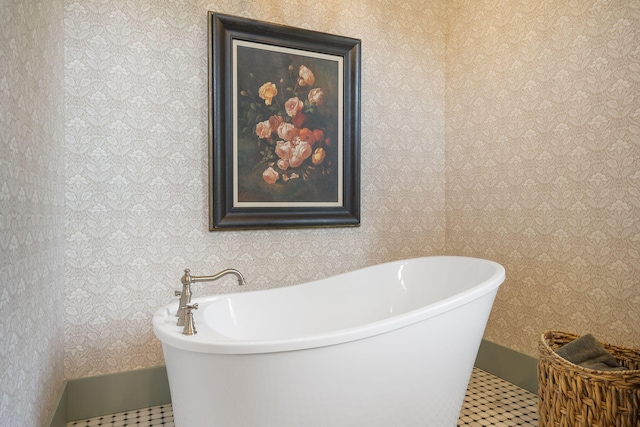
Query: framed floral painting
point(284, 134)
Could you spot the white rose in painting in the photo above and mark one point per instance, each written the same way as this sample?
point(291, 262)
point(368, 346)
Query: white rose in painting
point(301, 152)
point(305, 76)
point(316, 96)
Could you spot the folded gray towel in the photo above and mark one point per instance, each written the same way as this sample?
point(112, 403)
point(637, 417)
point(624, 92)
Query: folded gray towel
point(587, 352)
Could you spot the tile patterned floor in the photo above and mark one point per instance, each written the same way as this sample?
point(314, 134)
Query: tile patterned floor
point(155, 416)
point(490, 401)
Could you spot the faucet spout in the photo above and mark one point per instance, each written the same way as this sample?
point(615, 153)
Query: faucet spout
point(216, 276)
point(188, 279)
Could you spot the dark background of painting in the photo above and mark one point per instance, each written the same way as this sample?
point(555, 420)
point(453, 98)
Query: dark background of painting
point(254, 68)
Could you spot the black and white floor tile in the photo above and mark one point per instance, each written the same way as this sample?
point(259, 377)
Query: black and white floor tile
point(490, 401)
point(155, 416)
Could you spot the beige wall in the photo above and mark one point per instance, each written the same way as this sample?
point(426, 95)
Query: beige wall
point(31, 210)
point(543, 162)
point(136, 157)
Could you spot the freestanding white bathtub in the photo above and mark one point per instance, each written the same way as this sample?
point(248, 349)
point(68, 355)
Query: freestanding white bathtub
point(388, 345)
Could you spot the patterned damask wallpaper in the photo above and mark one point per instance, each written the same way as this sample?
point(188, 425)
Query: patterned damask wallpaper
point(136, 163)
point(543, 161)
point(31, 210)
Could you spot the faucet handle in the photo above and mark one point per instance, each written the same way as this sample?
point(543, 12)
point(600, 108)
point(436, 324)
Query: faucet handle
point(178, 294)
point(189, 324)
point(190, 307)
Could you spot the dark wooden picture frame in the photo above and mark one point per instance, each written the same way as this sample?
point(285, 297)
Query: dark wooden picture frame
point(284, 126)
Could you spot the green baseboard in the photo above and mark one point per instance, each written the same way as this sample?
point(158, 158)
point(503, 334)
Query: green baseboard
point(108, 394)
point(510, 365)
point(112, 393)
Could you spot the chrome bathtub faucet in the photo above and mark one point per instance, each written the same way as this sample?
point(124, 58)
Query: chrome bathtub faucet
point(188, 279)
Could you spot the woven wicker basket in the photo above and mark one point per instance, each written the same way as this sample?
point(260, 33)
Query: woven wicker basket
point(572, 396)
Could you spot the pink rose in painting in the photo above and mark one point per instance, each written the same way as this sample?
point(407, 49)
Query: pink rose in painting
point(283, 164)
point(275, 122)
point(305, 76)
point(318, 156)
point(293, 106)
point(263, 129)
point(301, 152)
point(316, 96)
point(284, 150)
point(270, 175)
point(287, 131)
point(267, 91)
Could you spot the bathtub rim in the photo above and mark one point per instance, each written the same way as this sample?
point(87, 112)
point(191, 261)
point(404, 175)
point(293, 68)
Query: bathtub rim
point(210, 341)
